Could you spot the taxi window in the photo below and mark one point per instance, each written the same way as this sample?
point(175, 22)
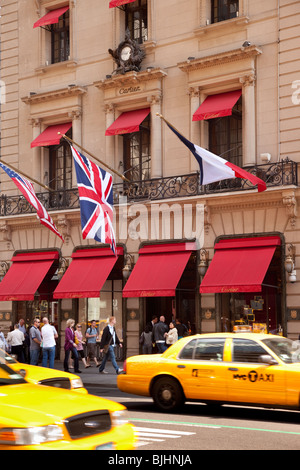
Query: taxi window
point(209, 349)
point(188, 350)
point(245, 350)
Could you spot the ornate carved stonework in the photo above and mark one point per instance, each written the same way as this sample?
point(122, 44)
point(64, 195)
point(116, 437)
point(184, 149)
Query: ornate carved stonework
point(290, 203)
point(128, 56)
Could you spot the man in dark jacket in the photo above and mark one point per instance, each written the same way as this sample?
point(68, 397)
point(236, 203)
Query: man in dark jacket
point(158, 332)
point(110, 340)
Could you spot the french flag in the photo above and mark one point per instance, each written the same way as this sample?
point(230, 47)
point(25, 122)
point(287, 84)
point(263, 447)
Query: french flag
point(214, 168)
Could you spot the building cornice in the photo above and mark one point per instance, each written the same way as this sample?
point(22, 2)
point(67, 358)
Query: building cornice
point(54, 94)
point(242, 53)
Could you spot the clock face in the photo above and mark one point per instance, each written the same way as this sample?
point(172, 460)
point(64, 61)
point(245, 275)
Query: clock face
point(125, 53)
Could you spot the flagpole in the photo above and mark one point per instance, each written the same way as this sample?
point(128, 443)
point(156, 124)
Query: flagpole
point(26, 176)
point(167, 122)
point(93, 156)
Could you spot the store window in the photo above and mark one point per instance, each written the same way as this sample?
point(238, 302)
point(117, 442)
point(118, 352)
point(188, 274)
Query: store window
point(101, 309)
point(60, 39)
point(258, 312)
point(137, 157)
point(226, 135)
point(136, 20)
point(224, 10)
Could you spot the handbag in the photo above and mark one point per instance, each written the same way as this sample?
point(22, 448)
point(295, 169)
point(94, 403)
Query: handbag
point(105, 348)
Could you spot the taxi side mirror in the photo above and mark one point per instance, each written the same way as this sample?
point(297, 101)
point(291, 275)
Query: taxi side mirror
point(268, 359)
point(22, 372)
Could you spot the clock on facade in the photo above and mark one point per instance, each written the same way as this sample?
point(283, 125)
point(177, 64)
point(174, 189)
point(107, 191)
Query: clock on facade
point(128, 55)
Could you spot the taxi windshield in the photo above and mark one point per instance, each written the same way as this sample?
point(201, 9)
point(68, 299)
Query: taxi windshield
point(286, 349)
point(9, 377)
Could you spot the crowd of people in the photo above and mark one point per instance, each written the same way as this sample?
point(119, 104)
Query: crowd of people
point(157, 337)
point(30, 344)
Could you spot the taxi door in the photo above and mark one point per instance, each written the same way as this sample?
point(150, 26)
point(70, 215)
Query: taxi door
point(250, 381)
point(201, 369)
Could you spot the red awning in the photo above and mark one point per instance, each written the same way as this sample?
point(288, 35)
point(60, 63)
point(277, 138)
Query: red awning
point(239, 265)
point(158, 270)
point(215, 106)
point(26, 275)
point(128, 122)
point(87, 273)
point(51, 17)
point(50, 135)
point(118, 3)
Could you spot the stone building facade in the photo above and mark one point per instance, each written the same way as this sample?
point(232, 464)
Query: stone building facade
point(61, 73)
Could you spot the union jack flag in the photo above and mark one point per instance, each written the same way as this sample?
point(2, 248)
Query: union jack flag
point(95, 187)
point(26, 188)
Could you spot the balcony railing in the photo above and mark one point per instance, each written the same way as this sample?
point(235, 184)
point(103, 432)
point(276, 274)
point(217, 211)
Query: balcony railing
point(282, 173)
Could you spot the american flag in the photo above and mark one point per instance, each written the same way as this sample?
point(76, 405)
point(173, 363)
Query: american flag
point(95, 187)
point(28, 192)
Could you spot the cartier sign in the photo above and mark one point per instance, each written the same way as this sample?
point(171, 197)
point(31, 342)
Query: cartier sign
point(130, 89)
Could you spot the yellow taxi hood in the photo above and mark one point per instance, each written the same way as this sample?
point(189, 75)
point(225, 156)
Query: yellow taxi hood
point(34, 405)
point(36, 373)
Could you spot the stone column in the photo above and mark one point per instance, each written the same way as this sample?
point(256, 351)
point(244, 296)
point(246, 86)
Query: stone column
point(156, 136)
point(36, 159)
point(76, 116)
point(109, 110)
point(195, 126)
point(249, 120)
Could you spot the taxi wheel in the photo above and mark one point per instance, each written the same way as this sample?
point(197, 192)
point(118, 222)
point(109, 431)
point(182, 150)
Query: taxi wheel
point(167, 394)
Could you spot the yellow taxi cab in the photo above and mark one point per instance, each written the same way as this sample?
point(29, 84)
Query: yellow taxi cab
point(46, 418)
point(240, 368)
point(43, 375)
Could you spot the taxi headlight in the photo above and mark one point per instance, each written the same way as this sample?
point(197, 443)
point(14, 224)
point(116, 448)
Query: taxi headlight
point(119, 417)
point(30, 436)
point(76, 383)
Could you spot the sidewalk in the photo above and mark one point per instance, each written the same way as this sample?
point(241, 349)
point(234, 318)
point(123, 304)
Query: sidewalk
point(91, 375)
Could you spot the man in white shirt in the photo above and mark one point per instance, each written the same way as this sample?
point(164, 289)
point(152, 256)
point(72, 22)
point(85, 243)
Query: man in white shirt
point(49, 334)
point(15, 338)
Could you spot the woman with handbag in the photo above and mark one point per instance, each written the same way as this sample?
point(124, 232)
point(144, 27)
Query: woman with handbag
point(108, 342)
point(70, 346)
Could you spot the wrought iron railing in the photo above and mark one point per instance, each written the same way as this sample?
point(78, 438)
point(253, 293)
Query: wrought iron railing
point(281, 173)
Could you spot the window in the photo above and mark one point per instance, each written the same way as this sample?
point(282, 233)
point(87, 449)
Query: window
point(224, 10)
point(245, 350)
point(136, 20)
point(60, 166)
point(205, 349)
point(209, 349)
point(60, 39)
point(188, 350)
point(137, 159)
point(225, 135)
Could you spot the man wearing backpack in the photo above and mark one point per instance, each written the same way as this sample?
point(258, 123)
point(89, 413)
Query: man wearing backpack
point(91, 335)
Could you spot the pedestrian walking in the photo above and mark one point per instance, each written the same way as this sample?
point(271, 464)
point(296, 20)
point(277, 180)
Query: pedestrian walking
point(91, 335)
point(79, 344)
point(16, 338)
point(35, 342)
point(108, 343)
point(158, 333)
point(3, 342)
point(146, 340)
point(49, 335)
point(172, 335)
point(70, 346)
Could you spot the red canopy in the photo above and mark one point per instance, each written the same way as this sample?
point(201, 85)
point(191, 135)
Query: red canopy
point(127, 122)
point(87, 273)
point(26, 275)
point(158, 270)
point(50, 135)
point(118, 3)
point(51, 17)
point(215, 106)
point(239, 265)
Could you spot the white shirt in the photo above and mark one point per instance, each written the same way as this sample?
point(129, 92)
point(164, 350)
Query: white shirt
point(15, 338)
point(48, 332)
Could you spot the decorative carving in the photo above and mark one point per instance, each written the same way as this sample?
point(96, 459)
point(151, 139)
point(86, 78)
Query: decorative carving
point(128, 55)
point(290, 203)
point(5, 232)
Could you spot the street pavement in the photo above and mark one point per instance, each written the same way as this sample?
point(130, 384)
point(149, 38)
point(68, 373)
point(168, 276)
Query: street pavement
point(91, 375)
